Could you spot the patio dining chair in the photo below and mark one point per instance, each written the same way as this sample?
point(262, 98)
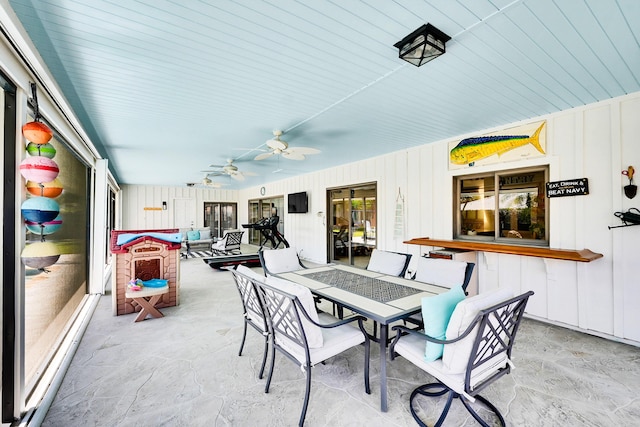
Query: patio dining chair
point(229, 244)
point(275, 261)
point(285, 260)
point(476, 352)
point(391, 263)
point(441, 272)
point(340, 246)
point(253, 312)
point(304, 336)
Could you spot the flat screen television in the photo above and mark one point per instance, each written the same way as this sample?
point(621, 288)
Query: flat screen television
point(298, 203)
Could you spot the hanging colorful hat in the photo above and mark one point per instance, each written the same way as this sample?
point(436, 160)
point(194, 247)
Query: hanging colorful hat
point(40, 209)
point(46, 189)
point(46, 228)
point(40, 255)
point(39, 169)
point(37, 132)
point(45, 150)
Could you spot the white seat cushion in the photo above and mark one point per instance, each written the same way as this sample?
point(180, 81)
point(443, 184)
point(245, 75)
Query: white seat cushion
point(441, 272)
point(386, 262)
point(411, 347)
point(220, 243)
point(281, 260)
point(336, 340)
point(256, 319)
point(456, 355)
point(312, 332)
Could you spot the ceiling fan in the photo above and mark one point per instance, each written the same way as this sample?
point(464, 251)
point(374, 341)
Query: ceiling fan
point(206, 182)
point(230, 170)
point(279, 146)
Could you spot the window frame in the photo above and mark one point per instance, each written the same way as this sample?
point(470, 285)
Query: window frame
point(496, 174)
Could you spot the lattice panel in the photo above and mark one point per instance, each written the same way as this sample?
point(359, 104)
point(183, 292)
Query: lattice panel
point(369, 287)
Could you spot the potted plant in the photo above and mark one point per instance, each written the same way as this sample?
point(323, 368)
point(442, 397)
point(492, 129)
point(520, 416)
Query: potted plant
point(537, 229)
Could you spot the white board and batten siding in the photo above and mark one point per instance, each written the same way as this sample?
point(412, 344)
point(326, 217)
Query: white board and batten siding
point(185, 205)
point(601, 296)
point(596, 141)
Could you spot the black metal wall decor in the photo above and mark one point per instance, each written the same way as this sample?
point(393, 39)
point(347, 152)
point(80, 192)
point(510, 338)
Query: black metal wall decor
point(631, 189)
point(629, 218)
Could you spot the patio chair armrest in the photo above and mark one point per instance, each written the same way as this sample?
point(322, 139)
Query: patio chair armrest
point(338, 322)
point(341, 322)
point(403, 330)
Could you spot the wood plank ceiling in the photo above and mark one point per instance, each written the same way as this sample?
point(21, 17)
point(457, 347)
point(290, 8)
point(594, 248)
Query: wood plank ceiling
point(175, 86)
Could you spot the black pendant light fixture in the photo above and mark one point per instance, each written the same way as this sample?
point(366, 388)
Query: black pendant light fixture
point(423, 45)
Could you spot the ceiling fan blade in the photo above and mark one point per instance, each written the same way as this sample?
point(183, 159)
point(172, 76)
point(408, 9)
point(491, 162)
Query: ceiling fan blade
point(304, 150)
point(276, 144)
point(248, 149)
point(263, 156)
point(238, 176)
point(292, 155)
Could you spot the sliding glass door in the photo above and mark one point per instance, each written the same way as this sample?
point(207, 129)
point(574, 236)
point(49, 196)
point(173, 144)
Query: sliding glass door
point(220, 217)
point(352, 224)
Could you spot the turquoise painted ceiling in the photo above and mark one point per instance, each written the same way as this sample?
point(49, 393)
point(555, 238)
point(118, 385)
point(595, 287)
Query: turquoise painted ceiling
point(167, 88)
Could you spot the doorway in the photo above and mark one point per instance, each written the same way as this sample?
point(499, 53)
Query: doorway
point(220, 217)
point(265, 208)
point(352, 228)
point(184, 213)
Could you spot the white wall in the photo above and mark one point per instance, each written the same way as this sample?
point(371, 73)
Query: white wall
point(597, 141)
point(135, 198)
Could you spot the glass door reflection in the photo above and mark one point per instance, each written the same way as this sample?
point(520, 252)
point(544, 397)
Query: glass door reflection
point(220, 217)
point(352, 229)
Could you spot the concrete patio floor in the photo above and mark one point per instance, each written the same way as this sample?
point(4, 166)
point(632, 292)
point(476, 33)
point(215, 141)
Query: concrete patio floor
point(184, 370)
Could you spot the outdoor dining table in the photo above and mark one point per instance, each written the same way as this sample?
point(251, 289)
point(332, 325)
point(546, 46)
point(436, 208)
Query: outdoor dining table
point(377, 296)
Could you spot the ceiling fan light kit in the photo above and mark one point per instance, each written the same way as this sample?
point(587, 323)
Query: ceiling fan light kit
point(206, 182)
point(423, 45)
point(280, 147)
point(229, 170)
point(275, 143)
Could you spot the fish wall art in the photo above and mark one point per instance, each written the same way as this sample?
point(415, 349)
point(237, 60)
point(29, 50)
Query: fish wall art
point(512, 144)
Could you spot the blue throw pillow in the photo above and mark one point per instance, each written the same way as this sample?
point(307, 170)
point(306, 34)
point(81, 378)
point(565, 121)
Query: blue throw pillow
point(193, 235)
point(436, 312)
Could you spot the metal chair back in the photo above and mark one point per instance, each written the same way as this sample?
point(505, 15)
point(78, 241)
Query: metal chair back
point(486, 345)
point(253, 312)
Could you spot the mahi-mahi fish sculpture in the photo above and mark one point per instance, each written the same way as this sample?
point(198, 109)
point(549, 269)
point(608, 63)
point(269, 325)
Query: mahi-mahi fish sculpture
point(470, 150)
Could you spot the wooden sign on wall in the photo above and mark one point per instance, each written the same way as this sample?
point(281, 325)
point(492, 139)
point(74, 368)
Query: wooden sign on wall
point(568, 187)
